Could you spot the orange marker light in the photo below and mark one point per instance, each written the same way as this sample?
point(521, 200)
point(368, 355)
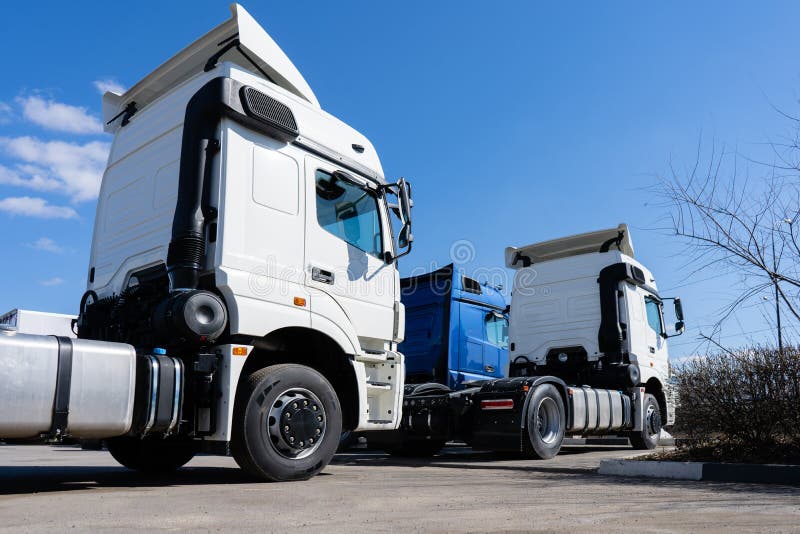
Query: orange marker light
point(240, 351)
point(299, 301)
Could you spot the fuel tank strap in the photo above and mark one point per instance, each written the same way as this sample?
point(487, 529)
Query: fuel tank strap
point(58, 427)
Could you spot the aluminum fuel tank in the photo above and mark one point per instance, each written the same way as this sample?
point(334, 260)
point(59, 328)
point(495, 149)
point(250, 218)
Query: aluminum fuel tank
point(100, 377)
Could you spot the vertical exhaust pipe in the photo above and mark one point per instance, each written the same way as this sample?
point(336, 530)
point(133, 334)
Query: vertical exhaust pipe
point(188, 247)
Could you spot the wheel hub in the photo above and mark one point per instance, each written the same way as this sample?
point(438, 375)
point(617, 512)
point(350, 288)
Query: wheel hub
point(296, 423)
point(653, 420)
point(547, 420)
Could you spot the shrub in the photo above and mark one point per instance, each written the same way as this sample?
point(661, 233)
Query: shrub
point(741, 406)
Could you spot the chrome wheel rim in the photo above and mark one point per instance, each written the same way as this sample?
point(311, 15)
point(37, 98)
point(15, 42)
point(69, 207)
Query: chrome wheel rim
point(295, 423)
point(652, 420)
point(548, 422)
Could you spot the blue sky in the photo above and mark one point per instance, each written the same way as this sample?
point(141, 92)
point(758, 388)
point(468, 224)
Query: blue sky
point(516, 121)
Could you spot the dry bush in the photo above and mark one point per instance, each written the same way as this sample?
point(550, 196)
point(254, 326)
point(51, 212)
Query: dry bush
point(742, 405)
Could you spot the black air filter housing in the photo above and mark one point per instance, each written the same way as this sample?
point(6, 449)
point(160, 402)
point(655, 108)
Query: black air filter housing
point(197, 317)
point(268, 110)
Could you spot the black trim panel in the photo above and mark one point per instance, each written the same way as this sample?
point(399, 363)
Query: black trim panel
point(610, 337)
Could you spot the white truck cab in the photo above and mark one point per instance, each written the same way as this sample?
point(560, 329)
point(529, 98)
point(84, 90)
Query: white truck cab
point(583, 308)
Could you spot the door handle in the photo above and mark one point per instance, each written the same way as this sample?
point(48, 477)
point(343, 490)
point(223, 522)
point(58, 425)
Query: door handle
point(652, 350)
point(321, 275)
point(489, 369)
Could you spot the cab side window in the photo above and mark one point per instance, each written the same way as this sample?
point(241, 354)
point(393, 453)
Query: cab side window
point(653, 308)
point(497, 330)
point(349, 212)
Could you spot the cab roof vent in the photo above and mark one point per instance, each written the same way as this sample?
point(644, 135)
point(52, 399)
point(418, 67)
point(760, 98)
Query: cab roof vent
point(269, 110)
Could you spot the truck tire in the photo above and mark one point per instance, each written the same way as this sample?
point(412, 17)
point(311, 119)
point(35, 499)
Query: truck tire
point(286, 423)
point(152, 455)
point(648, 437)
point(546, 422)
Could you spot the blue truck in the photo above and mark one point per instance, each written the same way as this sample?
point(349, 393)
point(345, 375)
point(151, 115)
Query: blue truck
point(456, 334)
point(456, 329)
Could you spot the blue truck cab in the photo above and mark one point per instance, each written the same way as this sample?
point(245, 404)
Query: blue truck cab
point(456, 329)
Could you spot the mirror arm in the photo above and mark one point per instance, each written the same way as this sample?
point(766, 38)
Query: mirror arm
point(406, 251)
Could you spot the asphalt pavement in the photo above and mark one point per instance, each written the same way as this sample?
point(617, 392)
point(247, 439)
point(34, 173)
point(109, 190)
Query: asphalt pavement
point(56, 489)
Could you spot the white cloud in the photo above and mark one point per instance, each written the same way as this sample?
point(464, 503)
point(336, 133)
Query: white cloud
point(46, 244)
point(36, 207)
point(5, 113)
point(50, 282)
point(108, 84)
point(73, 169)
point(34, 179)
point(57, 116)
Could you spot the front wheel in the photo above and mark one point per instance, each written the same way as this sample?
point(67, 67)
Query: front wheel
point(286, 423)
point(152, 454)
point(648, 437)
point(546, 422)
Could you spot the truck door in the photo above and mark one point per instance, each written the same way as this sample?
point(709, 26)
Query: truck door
point(496, 349)
point(481, 338)
point(346, 237)
point(656, 342)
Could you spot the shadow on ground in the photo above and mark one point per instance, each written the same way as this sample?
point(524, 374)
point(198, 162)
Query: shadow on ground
point(16, 480)
point(468, 460)
point(20, 480)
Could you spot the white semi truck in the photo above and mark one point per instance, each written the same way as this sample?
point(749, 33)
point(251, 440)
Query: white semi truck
point(243, 295)
point(559, 326)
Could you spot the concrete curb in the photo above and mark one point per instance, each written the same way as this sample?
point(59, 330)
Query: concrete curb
point(711, 471)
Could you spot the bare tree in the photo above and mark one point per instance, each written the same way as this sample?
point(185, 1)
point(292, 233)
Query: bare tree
point(733, 223)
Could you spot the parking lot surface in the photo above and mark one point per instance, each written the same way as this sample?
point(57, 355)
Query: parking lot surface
point(54, 489)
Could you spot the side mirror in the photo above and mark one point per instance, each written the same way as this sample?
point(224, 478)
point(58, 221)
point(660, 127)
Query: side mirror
point(678, 310)
point(404, 238)
point(679, 327)
point(404, 193)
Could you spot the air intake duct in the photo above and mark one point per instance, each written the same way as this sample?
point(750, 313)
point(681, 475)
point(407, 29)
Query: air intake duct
point(610, 336)
point(221, 97)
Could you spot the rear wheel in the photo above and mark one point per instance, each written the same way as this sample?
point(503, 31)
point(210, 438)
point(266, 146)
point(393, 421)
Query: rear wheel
point(152, 454)
point(648, 437)
point(545, 423)
point(286, 424)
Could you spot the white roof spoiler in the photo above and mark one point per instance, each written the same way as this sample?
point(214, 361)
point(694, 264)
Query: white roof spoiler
point(253, 41)
point(602, 240)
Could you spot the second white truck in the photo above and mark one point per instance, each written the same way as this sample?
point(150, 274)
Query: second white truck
point(243, 296)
